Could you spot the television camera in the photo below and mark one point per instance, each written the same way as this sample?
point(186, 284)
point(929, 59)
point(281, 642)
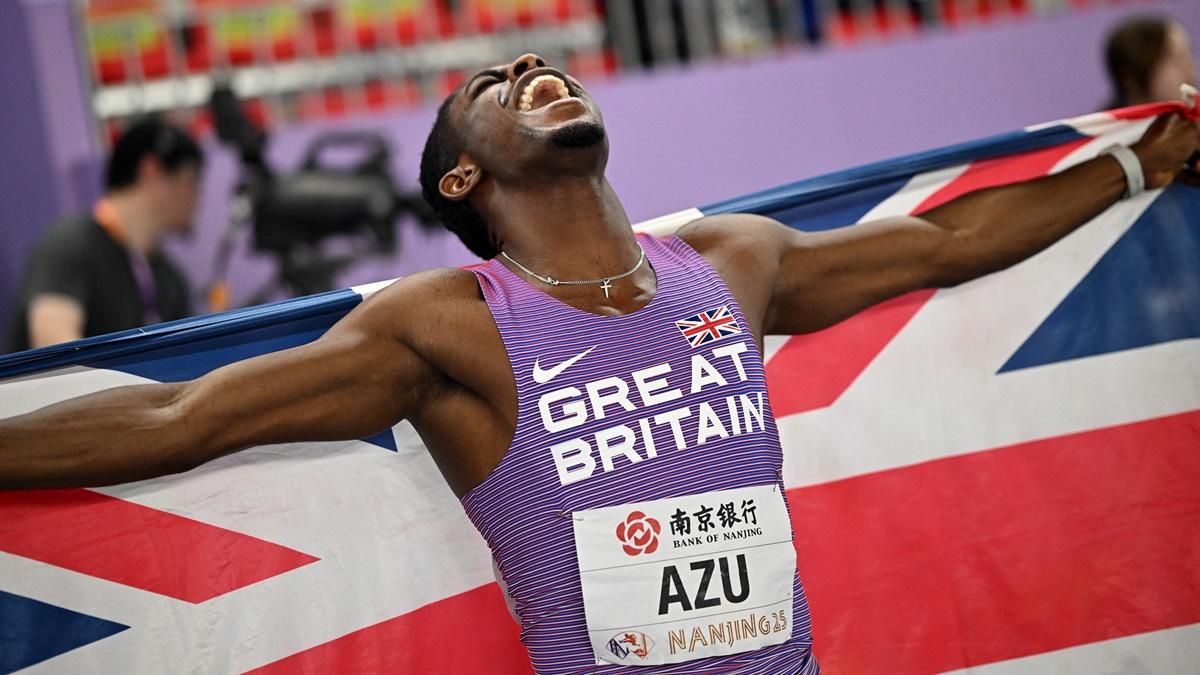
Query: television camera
point(291, 214)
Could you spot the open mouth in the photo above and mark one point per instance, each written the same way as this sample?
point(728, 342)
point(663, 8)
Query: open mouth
point(541, 91)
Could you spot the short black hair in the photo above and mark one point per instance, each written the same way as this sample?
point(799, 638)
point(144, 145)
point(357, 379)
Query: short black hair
point(440, 155)
point(172, 146)
point(1131, 53)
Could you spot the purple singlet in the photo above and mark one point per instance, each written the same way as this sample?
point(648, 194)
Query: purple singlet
point(618, 410)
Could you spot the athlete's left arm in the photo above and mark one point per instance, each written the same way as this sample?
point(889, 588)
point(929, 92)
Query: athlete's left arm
point(813, 280)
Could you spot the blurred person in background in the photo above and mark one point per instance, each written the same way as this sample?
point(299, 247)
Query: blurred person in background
point(103, 271)
point(1147, 59)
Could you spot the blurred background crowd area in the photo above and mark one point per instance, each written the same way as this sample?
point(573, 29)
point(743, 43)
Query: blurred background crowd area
point(297, 60)
point(703, 100)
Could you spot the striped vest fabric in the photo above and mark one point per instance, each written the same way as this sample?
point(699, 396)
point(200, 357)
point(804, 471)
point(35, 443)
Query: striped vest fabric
point(523, 507)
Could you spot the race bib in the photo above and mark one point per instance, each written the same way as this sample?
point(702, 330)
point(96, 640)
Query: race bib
point(679, 579)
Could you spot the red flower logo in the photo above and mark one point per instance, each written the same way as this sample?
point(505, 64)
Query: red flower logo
point(639, 533)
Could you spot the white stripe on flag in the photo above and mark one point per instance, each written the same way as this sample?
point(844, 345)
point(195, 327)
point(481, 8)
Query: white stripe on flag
point(664, 225)
point(367, 290)
point(1175, 651)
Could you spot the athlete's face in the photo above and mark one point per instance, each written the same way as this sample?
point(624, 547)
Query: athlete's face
point(526, 120)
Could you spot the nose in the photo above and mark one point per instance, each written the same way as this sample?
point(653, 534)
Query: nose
point(523, 63)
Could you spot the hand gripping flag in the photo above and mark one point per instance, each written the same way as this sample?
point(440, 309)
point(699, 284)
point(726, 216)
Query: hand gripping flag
point(1002, 477)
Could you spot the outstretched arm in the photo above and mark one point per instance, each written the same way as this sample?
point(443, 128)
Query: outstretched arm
point(818, 279)
point(356, 380)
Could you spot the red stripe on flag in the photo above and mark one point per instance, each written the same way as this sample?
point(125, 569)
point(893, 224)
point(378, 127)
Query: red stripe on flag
point(471, 632)
point(1154, 109)
point(134, 545)
point(1000, 171)
point(812, 371)
point(1000, 554)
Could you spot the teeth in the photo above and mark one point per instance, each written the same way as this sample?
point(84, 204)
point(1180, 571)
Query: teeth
point(525, 104)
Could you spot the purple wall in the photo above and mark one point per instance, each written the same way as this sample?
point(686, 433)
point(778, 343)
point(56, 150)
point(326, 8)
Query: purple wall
point(27, 178)
point(688, 137)
point(73, 147)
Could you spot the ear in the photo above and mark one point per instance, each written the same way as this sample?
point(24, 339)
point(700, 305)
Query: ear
point(458, 182)
point(149, 168)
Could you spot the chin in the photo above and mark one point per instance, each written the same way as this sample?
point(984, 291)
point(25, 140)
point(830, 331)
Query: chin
point(579, 134)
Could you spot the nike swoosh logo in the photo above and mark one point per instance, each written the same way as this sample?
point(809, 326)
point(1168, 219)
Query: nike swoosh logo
point(542, 376)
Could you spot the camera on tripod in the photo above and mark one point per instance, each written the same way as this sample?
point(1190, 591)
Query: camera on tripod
point(292, 214)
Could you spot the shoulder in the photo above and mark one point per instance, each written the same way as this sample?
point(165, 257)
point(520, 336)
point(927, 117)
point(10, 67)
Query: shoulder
point(432, 288)
point(736, 239)
point(441, 317)
point(75, 225)
point(422, 312)
point(69, 251)
point(72, 235)
point(433, 302)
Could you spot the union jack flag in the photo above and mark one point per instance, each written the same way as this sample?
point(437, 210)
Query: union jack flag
point(974, 473)
point(708, 326)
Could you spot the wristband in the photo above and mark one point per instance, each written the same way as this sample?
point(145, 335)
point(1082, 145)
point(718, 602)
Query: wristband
point(1135, 180)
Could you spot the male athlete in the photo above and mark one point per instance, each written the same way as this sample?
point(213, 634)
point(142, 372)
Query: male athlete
point(595, 398)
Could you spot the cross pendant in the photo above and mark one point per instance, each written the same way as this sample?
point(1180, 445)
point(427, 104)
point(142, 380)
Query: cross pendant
point(606, 285)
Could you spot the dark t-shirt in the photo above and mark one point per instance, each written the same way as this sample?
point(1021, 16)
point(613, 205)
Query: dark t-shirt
point(77, 258)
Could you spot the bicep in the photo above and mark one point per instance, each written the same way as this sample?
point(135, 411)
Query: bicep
point(825, 277)
point(354, 381)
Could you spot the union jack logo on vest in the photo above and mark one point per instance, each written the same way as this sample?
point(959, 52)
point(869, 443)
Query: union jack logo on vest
point(708, 326)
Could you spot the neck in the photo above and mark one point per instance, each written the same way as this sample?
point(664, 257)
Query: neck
point(568, 229)
point(136, 221)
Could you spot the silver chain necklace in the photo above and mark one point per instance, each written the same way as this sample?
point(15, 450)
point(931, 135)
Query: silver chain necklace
point(605, 283)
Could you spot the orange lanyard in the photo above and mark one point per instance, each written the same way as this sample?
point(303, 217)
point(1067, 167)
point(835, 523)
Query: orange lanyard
point(107, 216)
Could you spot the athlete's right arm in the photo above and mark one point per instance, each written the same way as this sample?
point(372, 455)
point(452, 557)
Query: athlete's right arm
point(356, 380)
